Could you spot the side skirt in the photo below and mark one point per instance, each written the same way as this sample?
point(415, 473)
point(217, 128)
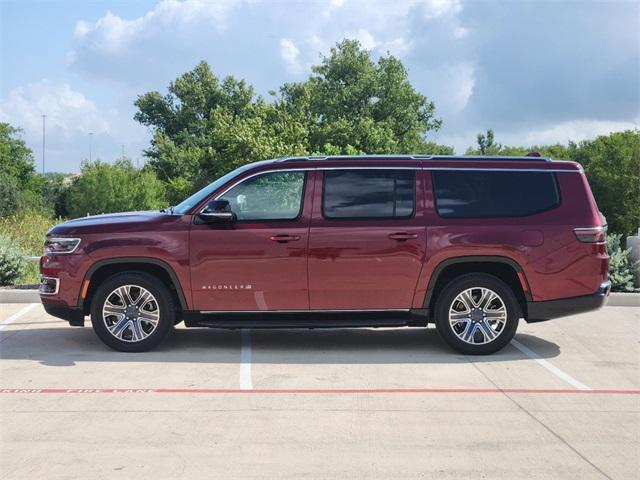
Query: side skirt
point(307, 318)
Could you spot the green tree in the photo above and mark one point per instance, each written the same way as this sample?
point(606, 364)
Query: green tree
point(204, 127)
point(20, 187)
point(54, 193)
point(612, 165)
point(487, 145)
point(352, 102)
point(105, 188)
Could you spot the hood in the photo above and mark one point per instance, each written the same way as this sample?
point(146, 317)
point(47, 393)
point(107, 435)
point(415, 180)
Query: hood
point(114, 223)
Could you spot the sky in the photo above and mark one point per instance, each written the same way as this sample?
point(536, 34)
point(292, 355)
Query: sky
point(536, 72)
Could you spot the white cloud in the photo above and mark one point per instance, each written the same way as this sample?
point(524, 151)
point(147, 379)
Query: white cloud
point(575, 130)
point(452, 86)
point(114, 33)
point(367, 40)
point(135, 50)
point(398, 47)
point(460, 32)
point(68, 111)
point(438, 8)
point(290, 54)
point(70, 117)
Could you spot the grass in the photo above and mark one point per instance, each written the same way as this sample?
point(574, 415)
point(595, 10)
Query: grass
point(27, 230)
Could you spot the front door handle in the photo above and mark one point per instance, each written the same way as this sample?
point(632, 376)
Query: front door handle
point(284, 238)
point(403, 236)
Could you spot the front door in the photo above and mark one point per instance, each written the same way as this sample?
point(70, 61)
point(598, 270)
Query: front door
point(258, 262)
point(367, 239)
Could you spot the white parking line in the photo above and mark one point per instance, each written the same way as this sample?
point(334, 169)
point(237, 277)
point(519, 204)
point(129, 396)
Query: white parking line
point(245, 360)
point(552, 368)
point(17, 315)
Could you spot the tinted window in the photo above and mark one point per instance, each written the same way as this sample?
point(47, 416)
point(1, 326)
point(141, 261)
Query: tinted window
point(272, 196)
point(473, 194)
point(368, 193)
point(200, 195)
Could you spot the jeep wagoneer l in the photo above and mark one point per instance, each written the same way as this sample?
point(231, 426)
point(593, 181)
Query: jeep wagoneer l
point(470, 244)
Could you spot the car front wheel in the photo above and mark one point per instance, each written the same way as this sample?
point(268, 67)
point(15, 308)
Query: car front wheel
point(477, 314)
point(132, 312)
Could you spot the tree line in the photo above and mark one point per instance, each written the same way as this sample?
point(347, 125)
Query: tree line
point(205, 126)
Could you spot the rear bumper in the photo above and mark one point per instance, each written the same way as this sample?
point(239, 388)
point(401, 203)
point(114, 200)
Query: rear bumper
point(541, 311)
point(73, 315)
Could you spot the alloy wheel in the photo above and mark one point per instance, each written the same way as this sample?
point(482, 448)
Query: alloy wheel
point(477, 315)
point(131, 313)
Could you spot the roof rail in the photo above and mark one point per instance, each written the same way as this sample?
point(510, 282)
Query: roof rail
point(530, 157)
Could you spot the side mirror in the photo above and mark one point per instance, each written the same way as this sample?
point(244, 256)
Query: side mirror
point(217, 211)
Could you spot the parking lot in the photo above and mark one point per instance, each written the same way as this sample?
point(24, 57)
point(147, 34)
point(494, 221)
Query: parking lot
point(563, 401)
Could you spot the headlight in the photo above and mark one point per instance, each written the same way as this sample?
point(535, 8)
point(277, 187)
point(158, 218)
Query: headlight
point(61, 245)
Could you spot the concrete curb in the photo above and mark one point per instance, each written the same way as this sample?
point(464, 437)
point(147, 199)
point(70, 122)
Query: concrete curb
point(16, 295)
point(616, 299)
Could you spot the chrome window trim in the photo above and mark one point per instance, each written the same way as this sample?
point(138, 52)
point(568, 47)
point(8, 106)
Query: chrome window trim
point(346, 167)
point(478, 169)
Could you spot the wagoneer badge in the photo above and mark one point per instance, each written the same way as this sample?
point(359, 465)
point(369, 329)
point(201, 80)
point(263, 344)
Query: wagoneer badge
point(227, 287)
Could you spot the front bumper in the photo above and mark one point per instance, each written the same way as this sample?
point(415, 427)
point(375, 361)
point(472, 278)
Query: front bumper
point(541, 311)
point(73, 315)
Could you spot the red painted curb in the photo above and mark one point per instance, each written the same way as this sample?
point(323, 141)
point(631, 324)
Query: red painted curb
point(302, 391)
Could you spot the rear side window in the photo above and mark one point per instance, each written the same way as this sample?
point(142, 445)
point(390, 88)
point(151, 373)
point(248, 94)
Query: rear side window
point(372, 193)
point(486, 194)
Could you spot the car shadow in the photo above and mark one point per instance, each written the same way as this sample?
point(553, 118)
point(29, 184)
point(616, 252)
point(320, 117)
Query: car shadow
point(70, 346)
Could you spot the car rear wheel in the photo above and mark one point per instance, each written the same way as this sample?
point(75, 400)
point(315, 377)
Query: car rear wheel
point(477, 314)
point(132, 312)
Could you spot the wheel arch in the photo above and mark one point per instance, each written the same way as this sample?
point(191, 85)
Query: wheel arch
point(504, 268)
point(103, 269)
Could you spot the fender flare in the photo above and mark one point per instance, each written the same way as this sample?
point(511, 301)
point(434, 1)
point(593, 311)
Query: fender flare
point(145, 260)
point(433, 281)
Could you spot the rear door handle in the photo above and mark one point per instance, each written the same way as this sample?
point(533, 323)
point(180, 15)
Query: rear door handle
point(403, 236)
point(284, 238)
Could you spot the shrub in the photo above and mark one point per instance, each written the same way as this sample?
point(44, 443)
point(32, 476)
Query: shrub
point(9, 195)
point(27, 230)
point(612, 165)
point(105, 188)
point(12, 263)
point(621, 267)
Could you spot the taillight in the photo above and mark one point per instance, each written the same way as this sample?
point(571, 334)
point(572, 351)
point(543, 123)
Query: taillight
point(591, 234)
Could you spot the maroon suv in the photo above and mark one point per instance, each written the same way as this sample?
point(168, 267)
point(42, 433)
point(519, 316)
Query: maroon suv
point(470, 244)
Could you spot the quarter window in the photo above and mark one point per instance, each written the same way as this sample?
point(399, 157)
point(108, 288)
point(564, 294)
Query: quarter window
point(486, 194)
point(271, 196)
point(372, 193)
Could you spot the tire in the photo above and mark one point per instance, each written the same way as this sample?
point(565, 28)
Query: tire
point(122, 326)
point(484, 314)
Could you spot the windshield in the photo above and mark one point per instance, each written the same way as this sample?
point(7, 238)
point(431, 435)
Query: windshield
point(186, 205)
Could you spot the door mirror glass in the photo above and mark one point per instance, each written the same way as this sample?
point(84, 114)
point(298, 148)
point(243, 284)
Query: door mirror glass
point(217, 211)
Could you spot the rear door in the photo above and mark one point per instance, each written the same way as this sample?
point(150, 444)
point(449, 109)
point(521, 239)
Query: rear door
point(367, 238)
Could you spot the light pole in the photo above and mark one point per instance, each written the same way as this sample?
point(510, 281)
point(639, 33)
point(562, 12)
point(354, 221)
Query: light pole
point(90, 139)
point(43, 138)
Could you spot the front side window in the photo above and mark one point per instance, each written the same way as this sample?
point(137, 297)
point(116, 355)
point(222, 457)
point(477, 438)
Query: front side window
point(271, 196)
point(353, 194)
point(487, 194)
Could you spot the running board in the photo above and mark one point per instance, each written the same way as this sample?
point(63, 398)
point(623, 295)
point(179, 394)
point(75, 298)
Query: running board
point(306, 318)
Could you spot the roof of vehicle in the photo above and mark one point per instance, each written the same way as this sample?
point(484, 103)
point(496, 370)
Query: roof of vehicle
point(468, 162)
point(530, 158)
